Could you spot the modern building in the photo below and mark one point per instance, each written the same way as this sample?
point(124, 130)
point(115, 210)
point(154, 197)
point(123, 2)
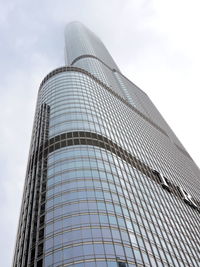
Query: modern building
point(108, 183)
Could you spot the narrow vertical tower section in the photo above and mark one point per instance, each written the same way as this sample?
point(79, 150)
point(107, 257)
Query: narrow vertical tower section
point(30, 237)
point(108, 183)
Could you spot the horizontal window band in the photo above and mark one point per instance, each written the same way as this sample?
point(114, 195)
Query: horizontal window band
point(94, 139)
point(99, 260)
point(97, 140)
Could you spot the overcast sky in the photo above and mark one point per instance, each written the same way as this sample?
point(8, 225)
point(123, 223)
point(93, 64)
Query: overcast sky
point(154, 42)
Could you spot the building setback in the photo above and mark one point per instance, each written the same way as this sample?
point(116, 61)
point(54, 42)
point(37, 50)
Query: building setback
point(108, 183)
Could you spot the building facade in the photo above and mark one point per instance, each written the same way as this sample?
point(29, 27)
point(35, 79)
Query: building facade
point(108, 183)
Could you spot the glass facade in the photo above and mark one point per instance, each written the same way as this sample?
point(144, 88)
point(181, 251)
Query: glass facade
point(108, 183)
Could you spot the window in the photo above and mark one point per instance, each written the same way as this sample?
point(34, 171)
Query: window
point(121, 264)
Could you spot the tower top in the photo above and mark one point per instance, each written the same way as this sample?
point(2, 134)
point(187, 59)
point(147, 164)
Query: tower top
point(82, 42)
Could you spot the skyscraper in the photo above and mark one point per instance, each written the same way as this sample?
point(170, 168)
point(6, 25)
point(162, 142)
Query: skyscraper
point(108, 183)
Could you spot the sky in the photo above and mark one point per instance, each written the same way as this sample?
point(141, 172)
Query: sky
point(154, 42)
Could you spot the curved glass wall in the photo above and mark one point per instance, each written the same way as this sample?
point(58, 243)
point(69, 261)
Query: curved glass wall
point(108, 183)
point(100, 208)
point(97, 200)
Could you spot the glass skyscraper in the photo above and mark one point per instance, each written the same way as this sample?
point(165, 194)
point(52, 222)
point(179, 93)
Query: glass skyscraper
point(108, 183)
